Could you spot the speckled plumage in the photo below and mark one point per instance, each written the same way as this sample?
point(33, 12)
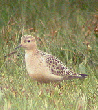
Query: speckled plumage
point(42, 66)
point(55, 65)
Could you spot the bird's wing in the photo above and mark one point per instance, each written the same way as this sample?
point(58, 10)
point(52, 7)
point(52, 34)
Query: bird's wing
point(56, 66)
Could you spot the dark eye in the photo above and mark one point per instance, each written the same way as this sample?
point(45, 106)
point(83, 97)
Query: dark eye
point(28, 40)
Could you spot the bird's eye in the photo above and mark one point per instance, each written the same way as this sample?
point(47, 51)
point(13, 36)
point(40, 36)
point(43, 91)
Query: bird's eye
point(28, 41)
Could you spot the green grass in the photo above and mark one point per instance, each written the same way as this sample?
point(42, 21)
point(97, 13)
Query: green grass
point(64, 28)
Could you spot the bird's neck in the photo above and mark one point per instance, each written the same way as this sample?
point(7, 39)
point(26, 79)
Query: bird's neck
point(33, 51)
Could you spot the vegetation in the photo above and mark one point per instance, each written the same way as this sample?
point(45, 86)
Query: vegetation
point(64, 28)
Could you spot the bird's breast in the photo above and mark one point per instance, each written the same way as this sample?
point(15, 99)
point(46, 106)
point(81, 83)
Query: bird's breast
point(35, 64)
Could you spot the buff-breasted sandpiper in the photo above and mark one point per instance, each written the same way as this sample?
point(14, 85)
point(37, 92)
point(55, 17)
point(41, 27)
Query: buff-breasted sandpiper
point(44, 67)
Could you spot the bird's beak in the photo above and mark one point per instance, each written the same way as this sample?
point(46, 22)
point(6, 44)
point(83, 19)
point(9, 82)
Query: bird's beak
point(18, 46)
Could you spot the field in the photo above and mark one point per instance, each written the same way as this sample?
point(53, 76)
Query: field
point(65, 28)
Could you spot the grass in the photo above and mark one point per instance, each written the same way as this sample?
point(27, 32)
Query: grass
point(63, 28)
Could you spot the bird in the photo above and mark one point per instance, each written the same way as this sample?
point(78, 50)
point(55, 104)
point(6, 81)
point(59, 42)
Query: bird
point(44, 67)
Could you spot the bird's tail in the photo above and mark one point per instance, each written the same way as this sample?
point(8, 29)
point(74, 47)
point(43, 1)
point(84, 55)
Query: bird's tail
point(83, 75)
point(80, 76)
